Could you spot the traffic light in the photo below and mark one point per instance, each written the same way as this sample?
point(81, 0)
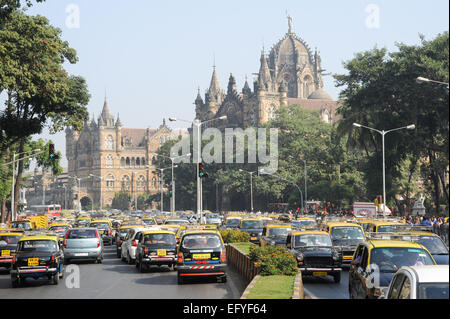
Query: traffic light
point(51, 152)
point(170, 190)
point(201, 172)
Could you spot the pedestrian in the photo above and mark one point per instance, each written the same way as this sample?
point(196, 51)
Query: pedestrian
point(426, 222)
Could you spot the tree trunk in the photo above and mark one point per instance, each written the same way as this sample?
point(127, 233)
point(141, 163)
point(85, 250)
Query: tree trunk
point(3, 209)
point(18, 181)
point(435, 180)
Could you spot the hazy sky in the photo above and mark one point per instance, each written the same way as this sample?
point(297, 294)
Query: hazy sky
point(150, 56)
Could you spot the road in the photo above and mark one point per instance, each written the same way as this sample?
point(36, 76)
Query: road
point(325, 288)
point(116, 279)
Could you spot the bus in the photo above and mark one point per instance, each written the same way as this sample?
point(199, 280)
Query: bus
point(53, 210)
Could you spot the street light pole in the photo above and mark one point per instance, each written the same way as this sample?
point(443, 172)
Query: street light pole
point(251, 187)
point(383, 133)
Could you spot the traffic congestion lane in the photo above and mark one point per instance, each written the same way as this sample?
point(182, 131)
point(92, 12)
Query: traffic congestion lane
point(116, 279)
point(325, 287)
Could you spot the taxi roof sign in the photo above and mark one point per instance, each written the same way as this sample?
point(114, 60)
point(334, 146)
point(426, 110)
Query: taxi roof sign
point(392, 236)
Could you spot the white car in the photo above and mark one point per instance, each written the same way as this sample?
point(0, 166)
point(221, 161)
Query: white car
point(129, 244)
point(420, 282)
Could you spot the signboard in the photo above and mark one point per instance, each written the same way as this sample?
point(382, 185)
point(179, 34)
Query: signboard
point(361, 209)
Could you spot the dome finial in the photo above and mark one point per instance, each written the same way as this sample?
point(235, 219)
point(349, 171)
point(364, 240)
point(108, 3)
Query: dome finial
point(289, 23)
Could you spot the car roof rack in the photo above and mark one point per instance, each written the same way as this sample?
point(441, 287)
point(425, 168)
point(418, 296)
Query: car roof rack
point(12, 230)
point(392, 236)
point(40, 233)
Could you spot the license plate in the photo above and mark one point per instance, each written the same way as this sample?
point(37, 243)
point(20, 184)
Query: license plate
point(6, 253)
point(161, 252)
point(33, 261)
point(253, 238)
point(201, 256)
point(319, 273)
point(81, 254)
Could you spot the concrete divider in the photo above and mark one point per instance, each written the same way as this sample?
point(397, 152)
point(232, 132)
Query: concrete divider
point(241, 262)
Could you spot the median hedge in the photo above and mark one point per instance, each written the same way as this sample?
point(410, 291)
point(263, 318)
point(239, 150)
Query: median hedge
point(273, 260)
point(234, 236)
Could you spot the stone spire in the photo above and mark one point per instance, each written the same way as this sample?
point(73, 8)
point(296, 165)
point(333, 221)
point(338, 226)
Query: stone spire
point(264, 77)
point(105, 117)
point(118, 122)
point(199, 99)
point(246, 89)
point(231, 85)
point(214, 87)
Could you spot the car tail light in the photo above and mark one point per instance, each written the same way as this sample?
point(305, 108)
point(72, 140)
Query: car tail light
point(145, 251)
point(98, 239)
point(13, 259)
point(134, 243)
point(65, 239)
point(223, 257)
point(53, 259)
point(109, 232)
point(180, 257)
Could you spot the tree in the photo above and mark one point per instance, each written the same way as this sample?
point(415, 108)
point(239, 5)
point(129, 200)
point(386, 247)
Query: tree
point(121, 201)
point(380, 91)
point(38, 90)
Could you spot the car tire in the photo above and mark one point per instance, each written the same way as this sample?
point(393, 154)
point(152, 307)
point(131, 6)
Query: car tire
point(337, 277)
point(129, 260)
point(55, 279)
point(223, 279)
point(180, 279)
point(15, 282)
point(141, 267)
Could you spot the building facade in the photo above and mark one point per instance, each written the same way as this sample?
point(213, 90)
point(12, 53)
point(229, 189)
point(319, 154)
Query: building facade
point(290, 75)
point(106, 158)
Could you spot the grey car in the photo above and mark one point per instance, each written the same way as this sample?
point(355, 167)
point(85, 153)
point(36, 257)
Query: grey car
point(83, 243)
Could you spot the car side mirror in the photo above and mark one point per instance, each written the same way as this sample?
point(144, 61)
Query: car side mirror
point(3, 243)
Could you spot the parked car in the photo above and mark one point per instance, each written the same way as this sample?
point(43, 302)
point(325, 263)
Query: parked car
point(420, 282)
point(83, 243)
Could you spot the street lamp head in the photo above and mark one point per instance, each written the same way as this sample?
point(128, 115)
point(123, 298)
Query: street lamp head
point(172, 119)
point(422, 79)
point(223, 117)
point(411, 127)
point(357, 125)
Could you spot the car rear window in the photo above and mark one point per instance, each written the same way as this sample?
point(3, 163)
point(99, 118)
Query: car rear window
point(99, 225)
point(37, 245)
point(201, 241)
point(10, 239)
point(251, 224)
point(160, 239)
point(82, 234)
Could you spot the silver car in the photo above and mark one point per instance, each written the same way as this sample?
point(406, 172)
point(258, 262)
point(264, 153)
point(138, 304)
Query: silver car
point(83, 243)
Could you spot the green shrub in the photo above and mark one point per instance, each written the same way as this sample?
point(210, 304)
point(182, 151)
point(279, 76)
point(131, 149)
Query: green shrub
point(235, 236)
point(273, 260)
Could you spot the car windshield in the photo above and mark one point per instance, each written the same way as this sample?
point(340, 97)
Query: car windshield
point(392, 228)
point(433, 290)
point(10, 240)
point(249, 224)
point(160, 239)
point(202, 241)
point(176, 222)
point(312, 240)
point(346, 234)
point(132, 223)
point(37, 245)
point(390, 259)
point(434, 245)
point(25, 226)
point(278, 231)
point(99, 225)
point(233, 221)
point(81, 234)
point(149, 221)
point(304, 223)
point(213, 216)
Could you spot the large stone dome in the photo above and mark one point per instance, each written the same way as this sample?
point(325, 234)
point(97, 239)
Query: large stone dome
point(320, 94)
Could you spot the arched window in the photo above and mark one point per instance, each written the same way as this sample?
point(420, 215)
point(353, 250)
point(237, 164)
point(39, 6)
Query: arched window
point(153, 182)
point(122, 162)
point(133, 161)
point(127, 162)
point(270, 112)
point(110, 181)
point(307, 86)
point(125, 183)
point(138, 161)
point(109, 143)
point(141, 183)
point(109, 161)
point(143, 161)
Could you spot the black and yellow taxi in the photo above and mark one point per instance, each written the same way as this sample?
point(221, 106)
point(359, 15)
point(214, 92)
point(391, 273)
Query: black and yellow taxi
point(232, 222)
point(149, 221)
point(38, 255)
point(274, 235)
point(344, 236)
point(105, 229)
point(315, 254)
point(24, 225)
point(435, 245)
point(201, 253)
point(252, 226)
point(307, 223)
point(364, 222)
point(8, 244)
point(377, 260)
point(156, 248)
point(386, 226)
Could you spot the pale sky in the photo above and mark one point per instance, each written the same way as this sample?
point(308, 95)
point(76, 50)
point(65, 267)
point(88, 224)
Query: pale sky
point(150, 56)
